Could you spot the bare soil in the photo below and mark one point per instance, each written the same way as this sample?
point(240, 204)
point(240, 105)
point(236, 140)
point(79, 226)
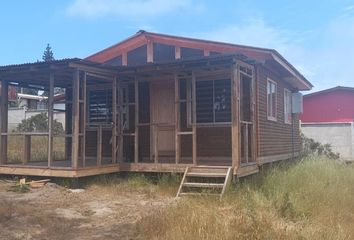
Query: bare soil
point(54, 212)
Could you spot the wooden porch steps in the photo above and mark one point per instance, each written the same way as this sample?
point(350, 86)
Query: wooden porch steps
point(205, 180)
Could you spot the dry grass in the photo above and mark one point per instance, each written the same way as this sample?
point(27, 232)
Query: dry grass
point(313, 199)
point(152, 186)
point(39, 148)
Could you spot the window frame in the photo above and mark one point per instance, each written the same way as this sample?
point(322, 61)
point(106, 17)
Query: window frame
point(270, 117)
point(286, 110)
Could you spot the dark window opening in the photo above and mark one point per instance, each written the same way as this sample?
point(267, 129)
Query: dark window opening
point(137, 56)
point(213, 101)
point(191, 52)
point(100, 106)
point(117, 61)
point(163, 52)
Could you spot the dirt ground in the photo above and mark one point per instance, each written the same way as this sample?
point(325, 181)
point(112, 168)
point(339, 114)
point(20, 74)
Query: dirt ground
point(54, 212)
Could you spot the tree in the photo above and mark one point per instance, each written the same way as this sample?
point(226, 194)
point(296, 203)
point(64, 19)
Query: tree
point(48, 54)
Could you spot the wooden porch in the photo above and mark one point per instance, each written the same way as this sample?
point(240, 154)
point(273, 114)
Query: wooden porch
point(137, 119)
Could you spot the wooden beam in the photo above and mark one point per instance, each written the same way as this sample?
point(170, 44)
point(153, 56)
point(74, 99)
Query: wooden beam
point(235, 119)
point(194, 119)
point(75, 120)
point(50, 119)
point(177, 52)
point(136, 138)
point(3, 121)
point(150, 51)
point(177, 120)
point(114, 121)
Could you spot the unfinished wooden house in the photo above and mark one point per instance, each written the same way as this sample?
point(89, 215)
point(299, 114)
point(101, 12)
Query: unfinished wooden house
point(157, 103)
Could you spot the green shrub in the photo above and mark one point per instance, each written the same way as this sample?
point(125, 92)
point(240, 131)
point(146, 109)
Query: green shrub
point(312, 147)
point(39, 123)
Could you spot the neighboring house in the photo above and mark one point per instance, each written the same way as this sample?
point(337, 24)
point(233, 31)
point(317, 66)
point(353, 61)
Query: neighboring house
point(328, 117)
point(28, 105)
point(161, 103)
point(31, 102)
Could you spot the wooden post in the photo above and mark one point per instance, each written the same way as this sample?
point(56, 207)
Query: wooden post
point(124, 58)
point(177, 52)
point(194, 120)
point(136, 139)
point(156, 143)
point(84, 119)
point(150, 52)
point(114, 120)
point(120, 123)
point(27, 149)
point(177, 120)
point(3, 121)
point(50, 119)
point(99, 145)
point(235, 116)
point(75, 120)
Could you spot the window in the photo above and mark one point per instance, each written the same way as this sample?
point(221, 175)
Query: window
point(287, 106)
point(100, 106)
point(271, 100)
point(213, 101)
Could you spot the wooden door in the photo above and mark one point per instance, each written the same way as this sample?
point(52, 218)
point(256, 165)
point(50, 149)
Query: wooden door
point(163, 118)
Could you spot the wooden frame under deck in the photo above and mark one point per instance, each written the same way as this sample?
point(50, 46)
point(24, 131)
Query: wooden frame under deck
point(74, 74)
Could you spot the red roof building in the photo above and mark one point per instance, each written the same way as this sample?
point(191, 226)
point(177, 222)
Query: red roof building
point(328, 106)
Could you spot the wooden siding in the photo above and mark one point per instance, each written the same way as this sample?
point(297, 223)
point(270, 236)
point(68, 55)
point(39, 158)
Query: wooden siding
point(275, 137)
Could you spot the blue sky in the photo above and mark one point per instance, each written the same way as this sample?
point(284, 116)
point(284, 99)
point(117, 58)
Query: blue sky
point(315, 36)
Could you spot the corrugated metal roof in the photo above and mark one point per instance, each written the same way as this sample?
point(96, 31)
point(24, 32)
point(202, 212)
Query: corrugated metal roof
point(337, 88)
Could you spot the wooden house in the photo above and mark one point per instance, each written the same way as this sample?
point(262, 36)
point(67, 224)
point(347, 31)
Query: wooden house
point(160, 103)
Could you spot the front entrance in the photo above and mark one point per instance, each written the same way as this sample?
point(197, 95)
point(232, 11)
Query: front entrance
point(247, 123)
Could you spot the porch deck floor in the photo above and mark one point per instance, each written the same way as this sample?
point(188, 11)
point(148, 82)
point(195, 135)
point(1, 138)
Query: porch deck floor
point(63, 168)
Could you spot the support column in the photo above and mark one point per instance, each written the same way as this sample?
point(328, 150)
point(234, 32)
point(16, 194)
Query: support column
point(177, 120)
point(75, 120)
point(114, 120)
point(120, 123)
point(99, 145)
point(84, 117)
point(194, 120)
point(3, 121)
point(136, 139)
point(235, 117)
point(50, 119)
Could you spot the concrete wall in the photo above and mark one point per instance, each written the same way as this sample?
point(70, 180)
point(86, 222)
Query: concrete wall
point(16, 115)
point(339, 135)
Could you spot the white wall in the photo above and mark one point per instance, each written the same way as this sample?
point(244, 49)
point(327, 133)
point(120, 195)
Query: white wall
point(339, 135)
